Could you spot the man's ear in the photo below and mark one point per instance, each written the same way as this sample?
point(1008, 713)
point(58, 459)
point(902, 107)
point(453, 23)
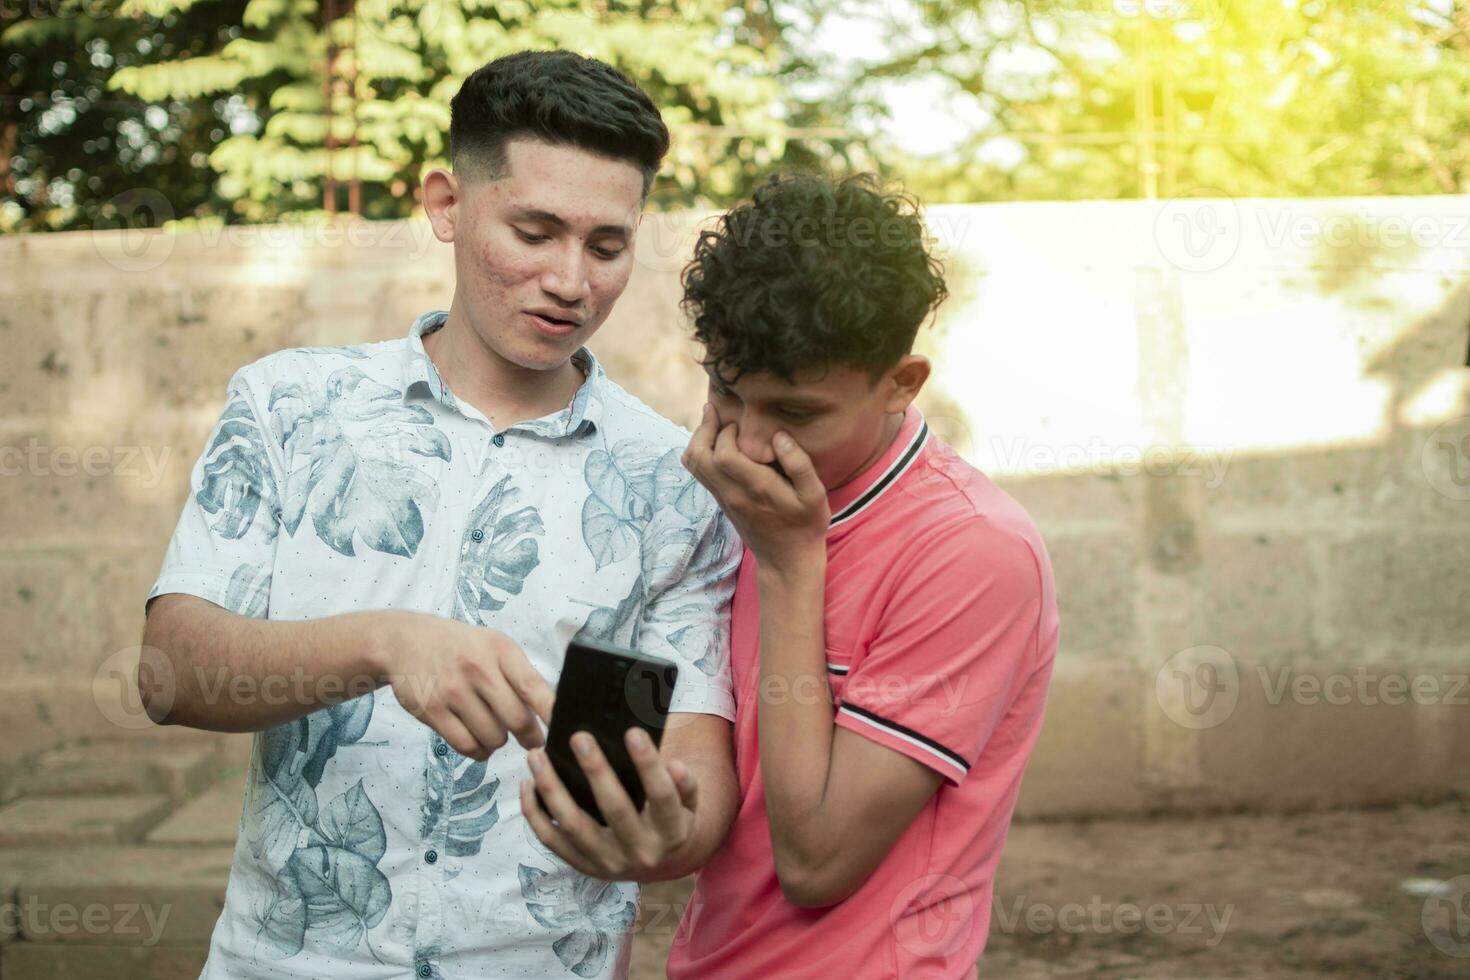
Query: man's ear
point(443, 195)
point(906, 379)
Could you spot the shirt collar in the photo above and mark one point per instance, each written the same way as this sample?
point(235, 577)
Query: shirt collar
point(585, 410)
point(419, 373)
point(858, 494)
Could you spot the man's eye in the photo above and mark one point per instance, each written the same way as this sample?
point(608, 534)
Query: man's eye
point(794, 415)
point(608, 253)
point(528, 237)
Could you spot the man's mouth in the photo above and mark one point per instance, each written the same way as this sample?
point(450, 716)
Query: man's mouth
point(553, 323)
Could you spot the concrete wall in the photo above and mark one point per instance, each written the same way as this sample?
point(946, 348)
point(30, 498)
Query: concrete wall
point(1241, 426)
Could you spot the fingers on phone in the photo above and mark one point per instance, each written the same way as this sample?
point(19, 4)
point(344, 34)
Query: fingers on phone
point(658, 785)
point(548, 832)
point(687, 785)
point(558, 803)
point(535, 814)
point(576, 826)
point(612, 799)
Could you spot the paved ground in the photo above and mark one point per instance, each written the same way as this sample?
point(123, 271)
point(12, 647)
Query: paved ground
point(90, 834)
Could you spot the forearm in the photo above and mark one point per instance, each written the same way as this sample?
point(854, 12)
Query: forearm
point(221, 671)
point(796, 714)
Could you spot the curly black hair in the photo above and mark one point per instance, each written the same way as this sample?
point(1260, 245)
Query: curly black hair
point(560, 97)
point(809, 273)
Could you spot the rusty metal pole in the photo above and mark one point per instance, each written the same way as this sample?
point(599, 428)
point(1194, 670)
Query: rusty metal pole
point(329, 188)
point(354, 190)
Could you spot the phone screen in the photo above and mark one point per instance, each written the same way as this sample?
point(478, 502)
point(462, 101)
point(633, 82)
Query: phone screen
point(605, 690)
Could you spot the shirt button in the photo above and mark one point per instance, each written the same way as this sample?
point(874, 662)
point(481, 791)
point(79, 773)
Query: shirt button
point(499, 439)
point(425, 970)
point(477, 535)
point(432, 856)
point(441, 750)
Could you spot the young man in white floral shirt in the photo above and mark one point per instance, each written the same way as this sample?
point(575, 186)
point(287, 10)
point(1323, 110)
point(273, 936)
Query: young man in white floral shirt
point(387, 547)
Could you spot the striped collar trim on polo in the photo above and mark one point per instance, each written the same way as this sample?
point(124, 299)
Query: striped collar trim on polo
point(887, 478)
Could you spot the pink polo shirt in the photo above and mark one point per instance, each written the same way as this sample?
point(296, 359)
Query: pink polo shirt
point(941, 631)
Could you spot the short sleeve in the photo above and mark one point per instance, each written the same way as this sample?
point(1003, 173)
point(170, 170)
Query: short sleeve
point(223, 548)
point(957, 637)
point(686, 616)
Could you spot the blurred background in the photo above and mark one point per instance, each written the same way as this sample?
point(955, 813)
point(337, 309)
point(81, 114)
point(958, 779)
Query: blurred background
point(1210, 324)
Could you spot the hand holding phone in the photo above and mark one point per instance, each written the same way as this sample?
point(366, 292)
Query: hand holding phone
point(605, 690)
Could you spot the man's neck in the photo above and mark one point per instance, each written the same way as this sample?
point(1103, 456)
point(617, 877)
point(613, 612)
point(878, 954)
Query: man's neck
point(892, 425)
point(505, 393)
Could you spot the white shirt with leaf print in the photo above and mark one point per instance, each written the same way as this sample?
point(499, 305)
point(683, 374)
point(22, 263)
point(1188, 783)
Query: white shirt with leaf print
point(350, 478)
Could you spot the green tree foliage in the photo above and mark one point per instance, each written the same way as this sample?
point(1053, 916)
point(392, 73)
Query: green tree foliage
point(1124, 98)
point(68, 144)
point(220, 105)
point(716, 70)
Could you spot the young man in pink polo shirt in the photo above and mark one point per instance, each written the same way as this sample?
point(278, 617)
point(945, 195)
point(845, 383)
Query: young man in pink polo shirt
point(895, 621)
point(893, 628)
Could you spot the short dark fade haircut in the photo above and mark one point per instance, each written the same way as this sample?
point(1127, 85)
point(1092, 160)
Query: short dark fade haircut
point(560, 97)
point(812, 271)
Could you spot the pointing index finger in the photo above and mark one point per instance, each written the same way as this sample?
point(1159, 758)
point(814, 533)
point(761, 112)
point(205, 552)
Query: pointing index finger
point(529, 685)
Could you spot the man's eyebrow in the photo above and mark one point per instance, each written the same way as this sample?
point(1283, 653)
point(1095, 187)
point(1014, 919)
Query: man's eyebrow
point(557, 221)
point(803, 401)
point(793, 399)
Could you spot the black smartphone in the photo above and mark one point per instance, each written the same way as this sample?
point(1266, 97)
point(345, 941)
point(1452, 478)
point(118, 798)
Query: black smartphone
point(605, 690)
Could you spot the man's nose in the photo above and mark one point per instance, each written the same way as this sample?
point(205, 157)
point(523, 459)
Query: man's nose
point(754, 439)
point(566, 277)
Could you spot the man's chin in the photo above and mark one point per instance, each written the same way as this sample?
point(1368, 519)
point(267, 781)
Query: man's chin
point(547, 353)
